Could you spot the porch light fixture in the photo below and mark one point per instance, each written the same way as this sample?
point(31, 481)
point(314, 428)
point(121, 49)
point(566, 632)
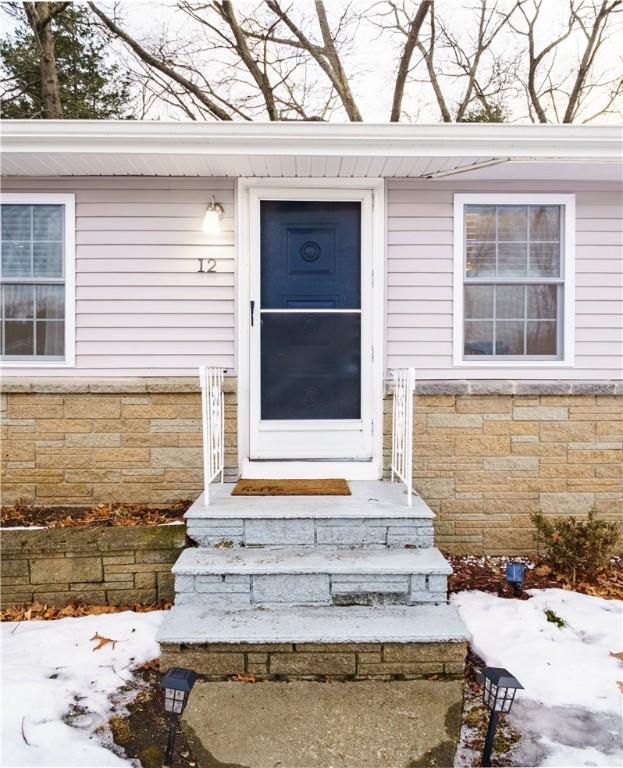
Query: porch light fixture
point(515, 573)
point(498, 695)
point(212, 218)
point(177, 684)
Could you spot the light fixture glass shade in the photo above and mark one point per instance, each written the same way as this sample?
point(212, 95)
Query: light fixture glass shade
point(211, 222)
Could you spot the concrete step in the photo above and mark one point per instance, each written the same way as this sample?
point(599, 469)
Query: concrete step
point(375, 514)
point(302, 642)
point(310, 576)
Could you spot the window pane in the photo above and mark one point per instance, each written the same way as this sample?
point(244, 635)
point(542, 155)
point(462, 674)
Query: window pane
point(18, 301)
point(509, 337)
point(512, 222)
point(545, 259)
point(544, 222)
point(311, 366)
point(16, 259)
point(18, 337)
point(512, 259)
point(542, 301)
point(50, 337)
point(50, 301)
point(541, 337)
point(16, 222)
point(480, 259)
point(480, 222)
point(48, 222)
point(48, 259)
point(479, 301)
point(478, 338)
point(509, 301)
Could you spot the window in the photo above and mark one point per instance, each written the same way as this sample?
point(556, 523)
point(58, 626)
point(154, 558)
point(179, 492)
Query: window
point(512, 257)
point(37, 279)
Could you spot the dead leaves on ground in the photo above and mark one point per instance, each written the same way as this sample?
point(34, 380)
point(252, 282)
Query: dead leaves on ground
point(116, 513)
point(487, 574)
point(43, 612)
point(239, 677)
point(102, 641)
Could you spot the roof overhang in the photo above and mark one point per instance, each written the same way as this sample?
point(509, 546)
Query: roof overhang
point(310, 149)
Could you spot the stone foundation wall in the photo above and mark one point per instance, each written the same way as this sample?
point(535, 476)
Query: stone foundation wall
point(486, 454)
point(310, 661)
point(81, 443)
point(112, 566)
point(485, 462)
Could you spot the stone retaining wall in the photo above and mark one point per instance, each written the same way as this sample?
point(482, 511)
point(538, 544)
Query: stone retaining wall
point(309, 661)
point(95, 564)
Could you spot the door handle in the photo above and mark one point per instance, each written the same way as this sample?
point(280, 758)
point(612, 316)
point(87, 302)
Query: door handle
point(252, 311)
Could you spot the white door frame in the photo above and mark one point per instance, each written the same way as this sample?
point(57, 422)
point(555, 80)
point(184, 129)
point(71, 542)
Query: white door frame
point(248, 246)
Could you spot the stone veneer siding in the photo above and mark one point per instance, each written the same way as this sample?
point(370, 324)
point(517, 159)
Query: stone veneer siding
point(77, 443)
point(486, 460)
point(309, 661)
point(486, 453)
point(93, 564)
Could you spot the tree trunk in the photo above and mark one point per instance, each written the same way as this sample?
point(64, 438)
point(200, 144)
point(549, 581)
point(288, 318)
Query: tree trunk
point(40, 17)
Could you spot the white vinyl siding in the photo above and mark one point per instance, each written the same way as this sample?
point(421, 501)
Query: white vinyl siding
point(419, 328)
point(142, 309)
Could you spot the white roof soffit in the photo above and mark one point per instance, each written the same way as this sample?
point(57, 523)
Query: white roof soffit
point(469, 150)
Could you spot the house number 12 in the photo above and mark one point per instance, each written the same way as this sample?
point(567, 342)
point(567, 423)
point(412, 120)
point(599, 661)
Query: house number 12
point(211, 265)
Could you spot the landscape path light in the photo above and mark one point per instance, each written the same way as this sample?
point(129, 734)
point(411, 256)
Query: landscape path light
point(515, 573)
point(498, 695)
point(177, 684)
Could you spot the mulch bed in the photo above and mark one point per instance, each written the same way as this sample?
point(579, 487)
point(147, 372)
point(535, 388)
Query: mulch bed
point(488, 575)
point(25, 515)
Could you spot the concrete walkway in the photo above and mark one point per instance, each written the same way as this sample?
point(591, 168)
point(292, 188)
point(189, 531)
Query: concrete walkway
point(368, 724)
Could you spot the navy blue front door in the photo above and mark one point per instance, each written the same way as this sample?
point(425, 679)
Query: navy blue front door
point(310, 310)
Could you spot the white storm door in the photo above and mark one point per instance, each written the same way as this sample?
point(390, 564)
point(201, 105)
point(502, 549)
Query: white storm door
point(310, 333)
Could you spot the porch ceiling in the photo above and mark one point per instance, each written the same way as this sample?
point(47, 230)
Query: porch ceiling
point(321, 150)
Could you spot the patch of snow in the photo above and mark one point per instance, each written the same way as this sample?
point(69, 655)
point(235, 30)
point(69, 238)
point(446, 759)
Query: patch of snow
point(570, 709)
point(50, 670)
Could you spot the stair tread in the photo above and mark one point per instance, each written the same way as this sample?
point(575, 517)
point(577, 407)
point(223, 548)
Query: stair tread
point(368, 499)
point(309, 559)
point(352, 624)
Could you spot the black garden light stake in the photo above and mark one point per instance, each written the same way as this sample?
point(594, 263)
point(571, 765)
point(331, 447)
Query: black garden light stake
point(177, 684)
point(498, 695)
point(515, 573)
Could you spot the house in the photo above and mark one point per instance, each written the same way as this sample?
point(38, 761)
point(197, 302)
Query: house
point(308, 261)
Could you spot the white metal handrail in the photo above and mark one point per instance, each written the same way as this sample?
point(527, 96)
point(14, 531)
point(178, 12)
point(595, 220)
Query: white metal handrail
point(213, 413)
point(402, 428)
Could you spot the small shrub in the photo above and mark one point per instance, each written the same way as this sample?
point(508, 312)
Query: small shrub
point(554, 618)
point(576, 547)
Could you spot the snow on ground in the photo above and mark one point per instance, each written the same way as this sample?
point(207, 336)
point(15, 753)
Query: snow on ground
point(50, 670)
point(570, 711)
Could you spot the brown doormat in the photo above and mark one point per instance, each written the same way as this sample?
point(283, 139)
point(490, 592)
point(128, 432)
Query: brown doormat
point(335, 487)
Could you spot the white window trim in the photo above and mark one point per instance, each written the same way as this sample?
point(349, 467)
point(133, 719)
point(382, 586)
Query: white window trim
point(69, 201)
point(568, 315)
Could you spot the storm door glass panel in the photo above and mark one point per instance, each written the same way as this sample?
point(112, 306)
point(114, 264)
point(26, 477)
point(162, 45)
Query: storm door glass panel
point(310, 310)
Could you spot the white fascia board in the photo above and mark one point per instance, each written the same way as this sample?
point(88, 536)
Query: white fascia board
point(551, 142)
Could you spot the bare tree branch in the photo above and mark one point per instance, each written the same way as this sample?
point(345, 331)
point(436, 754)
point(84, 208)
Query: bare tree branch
point(405, 59)
point(214, 109)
